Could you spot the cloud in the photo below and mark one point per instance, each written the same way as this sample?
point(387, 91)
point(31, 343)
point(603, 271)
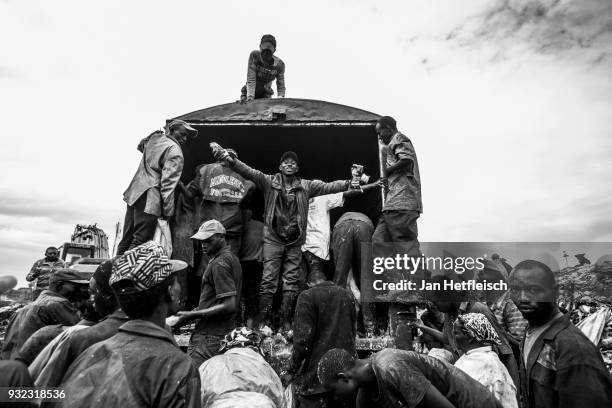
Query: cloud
point(9, 73)
point(547, 27)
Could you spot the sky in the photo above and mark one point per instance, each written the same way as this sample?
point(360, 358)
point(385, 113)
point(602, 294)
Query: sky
point(508, 103)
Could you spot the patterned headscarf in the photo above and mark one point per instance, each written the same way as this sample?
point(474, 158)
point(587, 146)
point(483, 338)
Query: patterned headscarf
point(478, 327)
point(242, 337)
point(145, 266)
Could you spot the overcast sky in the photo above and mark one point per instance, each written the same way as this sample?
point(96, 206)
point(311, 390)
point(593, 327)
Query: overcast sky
point(508, 103)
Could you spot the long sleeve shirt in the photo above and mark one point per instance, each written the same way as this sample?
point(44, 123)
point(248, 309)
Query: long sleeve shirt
point(158, 175)
point(42, 270)
point(260, 75)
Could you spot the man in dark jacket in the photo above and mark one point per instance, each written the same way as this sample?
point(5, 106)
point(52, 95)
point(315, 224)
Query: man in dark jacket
point(325, 318)
point(54, 306)
point(49, 370)
point(560, 367)
point(141, 366)
point(285, 219)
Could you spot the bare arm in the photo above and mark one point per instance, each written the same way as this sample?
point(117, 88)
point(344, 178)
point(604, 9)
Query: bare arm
point(228, 306)
point(355, 192)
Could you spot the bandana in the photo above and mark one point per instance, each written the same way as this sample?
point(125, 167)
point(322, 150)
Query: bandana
point(479, 328)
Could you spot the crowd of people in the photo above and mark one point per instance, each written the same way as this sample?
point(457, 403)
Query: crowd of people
point(108, 340)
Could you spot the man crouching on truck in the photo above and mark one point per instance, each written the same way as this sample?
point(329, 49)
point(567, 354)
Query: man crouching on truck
point(285, 218)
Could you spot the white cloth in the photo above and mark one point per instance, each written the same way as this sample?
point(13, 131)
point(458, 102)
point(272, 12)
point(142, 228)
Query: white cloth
point(483, 365)
point(239, 370)
point(318, 232)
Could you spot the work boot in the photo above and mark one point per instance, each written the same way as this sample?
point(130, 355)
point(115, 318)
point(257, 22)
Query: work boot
point(286, 311)
point(265, 311)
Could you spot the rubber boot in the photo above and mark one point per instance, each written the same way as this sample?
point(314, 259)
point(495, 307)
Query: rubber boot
point(286, 311)
point(265, 311)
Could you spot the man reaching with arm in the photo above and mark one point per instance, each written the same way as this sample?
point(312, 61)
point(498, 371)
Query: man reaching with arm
point(285, 223)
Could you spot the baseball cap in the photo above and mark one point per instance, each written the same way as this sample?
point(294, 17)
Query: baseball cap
point(289, 155)
point(182, 123)
point(145, 266)
point(69, 275)
point(208, 229)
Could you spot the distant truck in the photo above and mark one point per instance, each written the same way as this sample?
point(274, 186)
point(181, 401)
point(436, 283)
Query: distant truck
point(87, 241)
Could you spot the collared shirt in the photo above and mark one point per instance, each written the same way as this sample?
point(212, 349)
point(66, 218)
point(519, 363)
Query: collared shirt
point(141, 366)
point(42, 359)
point(564, 369)
point(221, 279)
point(48, 308)
point(405, 376)
point(404, 192)
point(50, 367)
point(483, 365)
point(42, 270)
point(158, 175)
point(318, 231)
point(532, 335)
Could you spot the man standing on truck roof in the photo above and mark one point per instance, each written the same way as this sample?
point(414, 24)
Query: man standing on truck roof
point(43, 269)
point(264, 67)
point(285, 220)
point(403, 206)
point(150, 195)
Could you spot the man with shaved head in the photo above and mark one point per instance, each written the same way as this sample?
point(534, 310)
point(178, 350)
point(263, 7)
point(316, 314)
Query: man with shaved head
point(560, 367)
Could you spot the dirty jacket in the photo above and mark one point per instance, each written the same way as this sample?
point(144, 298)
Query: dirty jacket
point(49, 308)
point(42, 270)
point(141, 366)
point(272, 186)
point(564, 370)
point(325, 318)
point(52, 370)
point(158, 175)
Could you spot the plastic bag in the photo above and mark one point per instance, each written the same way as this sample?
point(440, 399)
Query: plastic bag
point(242, 399)
point(163, 237)
point(239, 369)
point(593, 326)
point(290, 400)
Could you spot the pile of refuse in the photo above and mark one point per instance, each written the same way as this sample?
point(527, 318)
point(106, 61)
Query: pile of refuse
point(6, 312)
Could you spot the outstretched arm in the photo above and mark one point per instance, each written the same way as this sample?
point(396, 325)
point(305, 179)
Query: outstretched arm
point(358, 191)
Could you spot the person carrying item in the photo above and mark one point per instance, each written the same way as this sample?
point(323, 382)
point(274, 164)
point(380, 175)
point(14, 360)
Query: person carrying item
point(150, 194)
point(219, 298)
point(285, 224)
